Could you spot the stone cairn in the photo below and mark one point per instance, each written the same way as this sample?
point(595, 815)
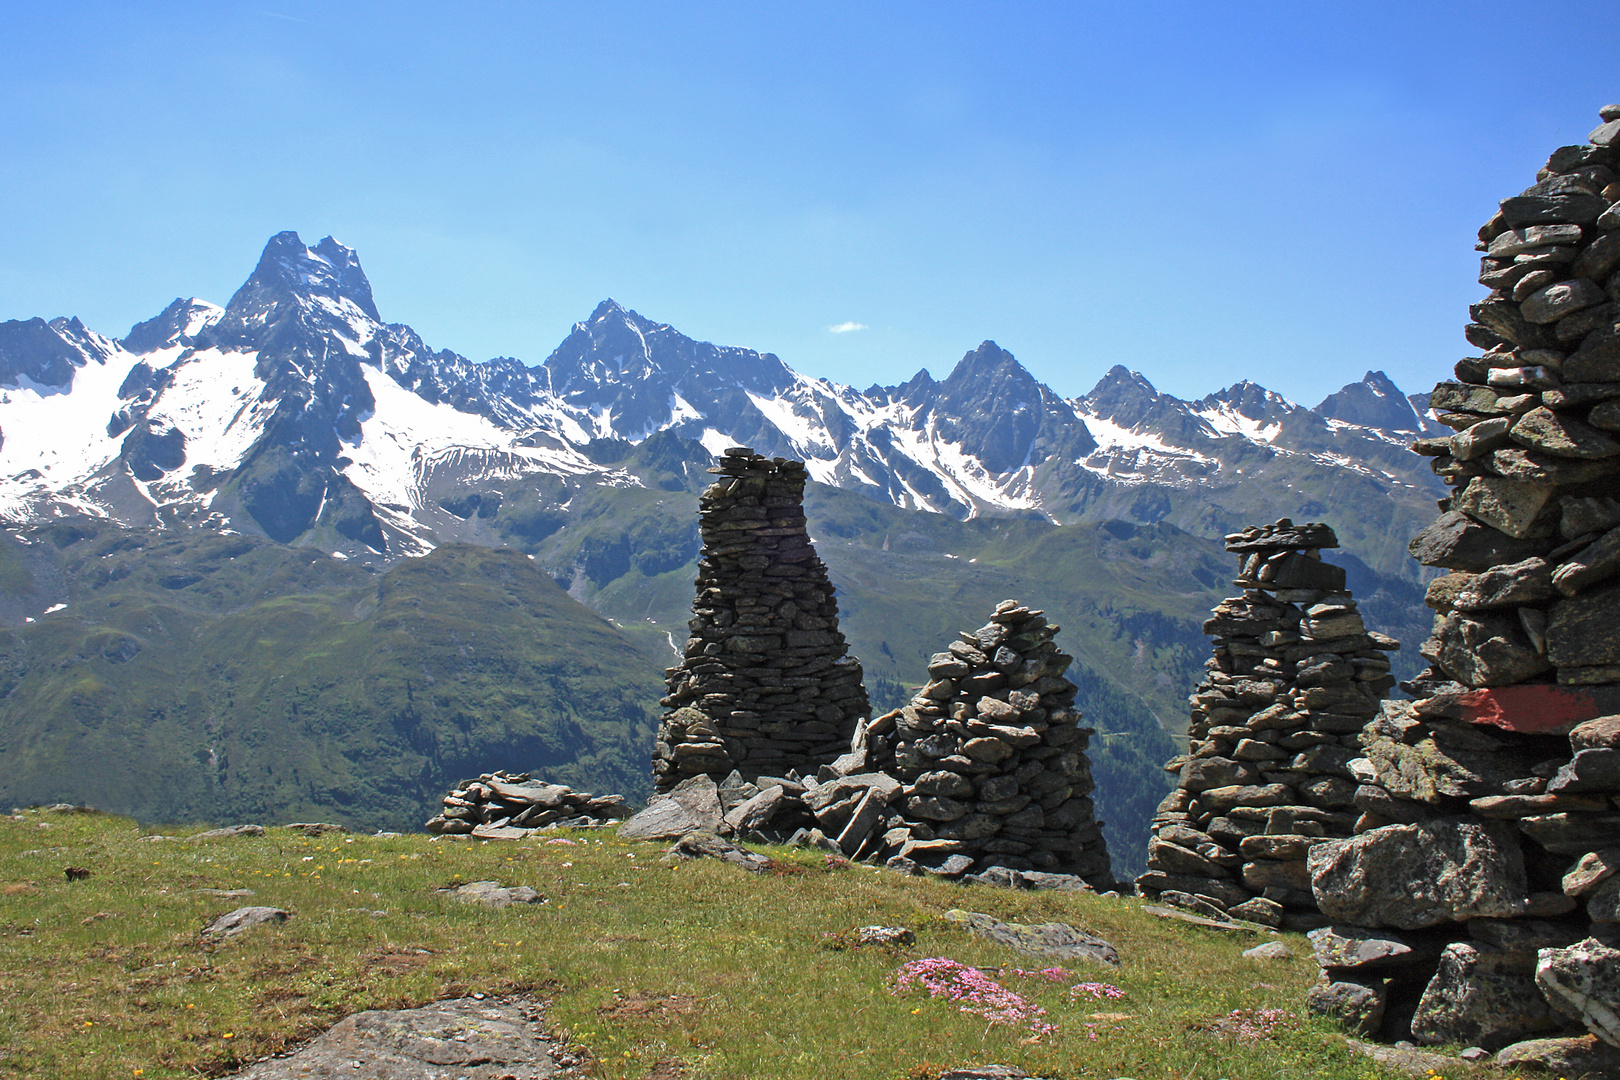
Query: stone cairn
point(982, 777)
point(1480, 901)
point(509, 806)
point(1274, 732)
point(767, 685)
point(993, 757)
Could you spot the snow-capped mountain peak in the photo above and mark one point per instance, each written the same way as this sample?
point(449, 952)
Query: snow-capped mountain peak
point(295, 412)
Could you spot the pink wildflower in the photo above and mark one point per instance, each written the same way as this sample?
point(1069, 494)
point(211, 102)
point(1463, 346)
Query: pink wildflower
point(974, 993)
point(1096, 990)
point(561, 840)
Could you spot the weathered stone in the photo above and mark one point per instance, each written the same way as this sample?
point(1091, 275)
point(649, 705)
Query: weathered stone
point(1590, 871)
point(1515, 241)
point(1565, 1056)
point(1537, 710)
point(1509, 506)
point(1411, 876)
point(1357, 1006)
point(1588, 771)
point(1482, 997)
point(1054, 940)
point(1562, 298)
point(1202, 774)
point(1595, 563)
point(706, 845)
point(1562, 436)
point(1488, 649)
point(1340, 946)
point(1603, 904)
point(1602, 732)
point(1598, 358)
point(1583, 982)
point(1514, 585)
point(468, 1038)
point(244, 919)
point(1221, 799)
point(1260, 910)
point(1270, 950)
point(1580, 630)
point(1571, 834)
point(493, 894)
point(1456, 541)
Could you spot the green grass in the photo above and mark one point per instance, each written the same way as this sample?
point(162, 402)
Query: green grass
point(726, 974)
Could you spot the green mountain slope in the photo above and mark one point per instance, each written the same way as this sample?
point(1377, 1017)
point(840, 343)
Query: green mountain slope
point(195, 676)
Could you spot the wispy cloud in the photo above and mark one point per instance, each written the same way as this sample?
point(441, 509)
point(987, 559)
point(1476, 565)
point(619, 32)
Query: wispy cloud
point(848, 327)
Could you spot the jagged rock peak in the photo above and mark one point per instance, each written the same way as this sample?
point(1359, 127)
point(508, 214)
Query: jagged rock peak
point(1375, 401)
point(178, 324)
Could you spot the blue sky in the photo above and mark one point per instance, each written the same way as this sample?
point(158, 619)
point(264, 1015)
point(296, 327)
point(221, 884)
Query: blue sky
point(1285, 192)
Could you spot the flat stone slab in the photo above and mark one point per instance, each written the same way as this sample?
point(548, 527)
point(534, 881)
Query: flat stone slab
point(1402, 1059)
point(493, 894)
point(466, 1038)
point(1056, 940)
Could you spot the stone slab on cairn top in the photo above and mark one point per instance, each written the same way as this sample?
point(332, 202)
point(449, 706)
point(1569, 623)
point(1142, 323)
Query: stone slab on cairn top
point(766, 684)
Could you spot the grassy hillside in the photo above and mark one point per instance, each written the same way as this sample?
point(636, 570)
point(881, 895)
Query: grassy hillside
point(193, 676)
point(698, 970)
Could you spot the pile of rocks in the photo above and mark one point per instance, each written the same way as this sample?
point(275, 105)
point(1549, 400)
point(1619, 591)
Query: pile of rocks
point(1531, 535)
point(1274, 738)
point(767, 685)
point(993, 758)
point(509, 806)
point(1480, 902)
point(983, 775)
point(1485, 919)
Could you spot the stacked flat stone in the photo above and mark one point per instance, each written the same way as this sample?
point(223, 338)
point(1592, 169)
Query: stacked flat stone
point(1480, 901)
point(1531, 535)
point(993, 758)
point(767, 685)
point(509, 806)
point(1274, 735)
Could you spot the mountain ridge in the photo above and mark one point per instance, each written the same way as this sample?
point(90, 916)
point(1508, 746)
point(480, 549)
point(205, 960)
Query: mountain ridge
point(319, 448)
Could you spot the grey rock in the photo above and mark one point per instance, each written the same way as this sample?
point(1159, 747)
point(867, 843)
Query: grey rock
point(1587, 771)
point(244, 919)
point(884, 935)
point(665, 819)
point(1055, 940)
point(1487, 649)
point(493, 894)
point(1341, 946)
point(752, 814)
point(1562, 436)
point(1595, 734)
point(1456, 541)
point(1527, 582)
point(1571, 834)
point(1565, 297)
point(1482, 996)
point(467, 1038)
point(1583, 1056)
point(1359, 1007)
point(229, 831)
point(1591, 870)
point(1580, 629)
point(1410, 876)
point(706, 845)
point(1507, 504)
point(1270, 950)
point(1583, 982)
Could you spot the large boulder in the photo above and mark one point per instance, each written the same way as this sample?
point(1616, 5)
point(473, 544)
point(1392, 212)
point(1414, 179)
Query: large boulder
point(1410, 876)
point(1482, 996)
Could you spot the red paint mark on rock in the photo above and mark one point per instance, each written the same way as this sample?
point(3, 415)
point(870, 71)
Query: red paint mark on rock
point(1538, 709)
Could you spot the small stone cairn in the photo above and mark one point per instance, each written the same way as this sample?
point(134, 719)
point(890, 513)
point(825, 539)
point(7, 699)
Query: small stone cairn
point(1274, 737)
point(767, 685)
point(993, 757)
point(509, 806)
point(1480, 901)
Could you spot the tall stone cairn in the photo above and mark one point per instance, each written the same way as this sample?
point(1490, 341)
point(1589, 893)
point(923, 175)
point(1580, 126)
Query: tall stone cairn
point(767, 684)
point(993, 758)
point(1479, 902)
point(1275, 729)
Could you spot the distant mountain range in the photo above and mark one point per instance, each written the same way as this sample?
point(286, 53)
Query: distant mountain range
point(295, 412)
point(338, 447)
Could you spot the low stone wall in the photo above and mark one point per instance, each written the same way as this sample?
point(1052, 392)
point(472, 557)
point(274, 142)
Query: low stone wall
point(1274, 735)
point(766, 685)
point(505, 806)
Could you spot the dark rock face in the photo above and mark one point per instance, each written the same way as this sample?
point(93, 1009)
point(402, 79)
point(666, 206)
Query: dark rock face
point(767, 685)
point(1274, 732)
